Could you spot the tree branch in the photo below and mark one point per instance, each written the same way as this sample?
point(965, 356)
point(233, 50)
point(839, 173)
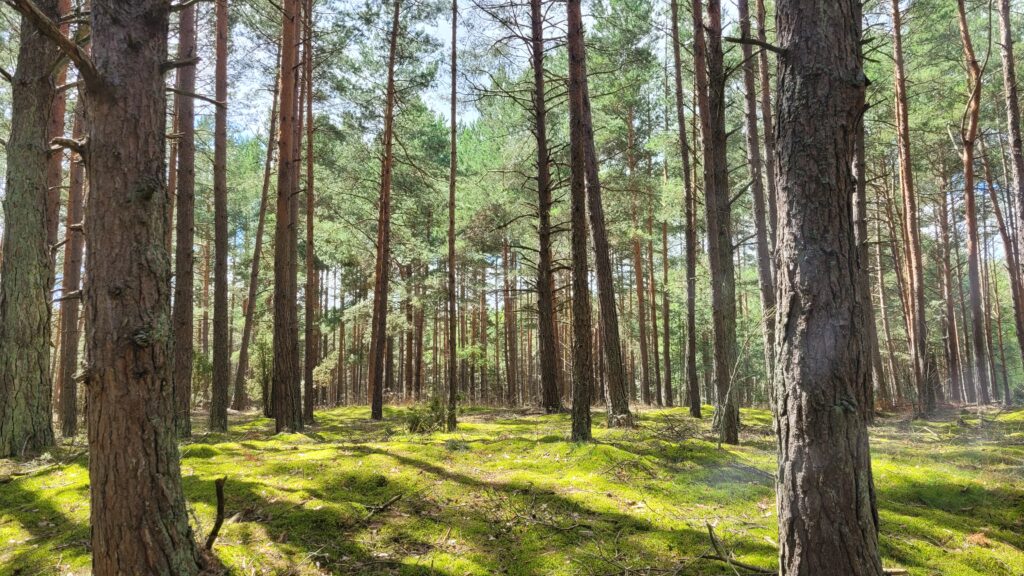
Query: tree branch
point(194, 95)
point(48, 28)
point(756, 42)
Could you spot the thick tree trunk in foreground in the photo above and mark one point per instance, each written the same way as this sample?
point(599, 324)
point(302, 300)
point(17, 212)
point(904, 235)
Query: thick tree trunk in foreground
point(139, 522)
point(828, 524)
point(719, 220)
point(285, 392)
point(692, 384)
point(26, 271)
point(582, 354)
point(184, 266)
point(549, 361)
point(969, 135)
point(240, 401)
point(618, 396)
point(378, 328)
point(452, 421)
point(221, 340)
point(70, 332)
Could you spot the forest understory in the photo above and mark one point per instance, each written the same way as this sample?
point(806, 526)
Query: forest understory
point(508, 494)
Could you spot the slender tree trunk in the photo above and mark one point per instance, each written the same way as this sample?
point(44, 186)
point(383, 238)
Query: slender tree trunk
point(582, 359)
point(911, 229)
point(952, 339)
point(452, 420)
point(719, 222)
point(221, 340)
point(1016, 176)
point(821, 370)
point(312, 332)
point(659, 396)
point(692, 384)
point(769, 126)
point(240, 401)
point(618, 399)
point(511, 355)
point(666, 343)
point(969, 135)
point(378, 332)
point(71, 282)
point(638, 267)
point(139, 522)
point(27, 269)
point(766, 280)
point(285, 391)
point(860, 222)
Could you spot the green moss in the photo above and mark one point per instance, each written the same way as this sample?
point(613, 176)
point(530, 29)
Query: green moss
point(507, 493)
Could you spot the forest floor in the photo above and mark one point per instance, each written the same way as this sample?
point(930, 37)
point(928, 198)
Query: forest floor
point(507, 494)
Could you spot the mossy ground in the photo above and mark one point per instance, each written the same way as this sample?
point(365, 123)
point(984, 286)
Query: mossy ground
point(507, 494)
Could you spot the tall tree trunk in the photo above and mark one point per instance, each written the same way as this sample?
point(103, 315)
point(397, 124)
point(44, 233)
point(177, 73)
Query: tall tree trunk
point(378, 332)
point(1013, 123)
point(184, 267)
point(638, 266)
point(860, 222)
point(312, 352)
point(769, 126)
point(452, 420)
point(911, 230)
point(139, 522)
point(692, 384)
point(511, 355)
point(27, 269)
point(240, 400)
point(549, 361)
point(666, 343)
point(969, 136)
point(821, 366)
point(618, 399)
point(719, 222)
point(582, 384)
point(221, 339)
point(952, 338)
point(71, 282)
point(659, 397)
point(766, 281)
point(286, 393)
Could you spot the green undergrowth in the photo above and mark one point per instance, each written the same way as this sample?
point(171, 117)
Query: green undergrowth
point(508, 494)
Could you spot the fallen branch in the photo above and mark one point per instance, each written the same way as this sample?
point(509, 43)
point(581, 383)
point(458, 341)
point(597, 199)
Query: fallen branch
point(219, 484)
point(722, 555)
point(374, 510)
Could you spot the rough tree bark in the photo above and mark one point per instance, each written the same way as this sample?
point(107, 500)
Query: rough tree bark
point(139, 522)
point(828, 523)
point(221, 340)
point(184, 267)
point(285, 391)
point(26, 270)
point(582, 354)
point(312, 332)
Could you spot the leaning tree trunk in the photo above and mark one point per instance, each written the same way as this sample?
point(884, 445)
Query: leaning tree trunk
point(285, 391)
point(821, 366)
point(692, 384)
point(968, 136)
point(582, 377)
point(378, 328)
point(240, 401)
point(184, 256)
point(618, 395)
point(26, 271)
point(139, 522)
point(221, 341)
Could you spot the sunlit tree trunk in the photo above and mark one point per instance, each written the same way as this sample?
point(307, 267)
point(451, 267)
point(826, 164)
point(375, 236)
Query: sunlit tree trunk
point(312, 328)
point(451, 420)
point(221, 340)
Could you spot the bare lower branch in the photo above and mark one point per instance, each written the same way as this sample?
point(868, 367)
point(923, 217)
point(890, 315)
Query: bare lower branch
point(47, 27)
